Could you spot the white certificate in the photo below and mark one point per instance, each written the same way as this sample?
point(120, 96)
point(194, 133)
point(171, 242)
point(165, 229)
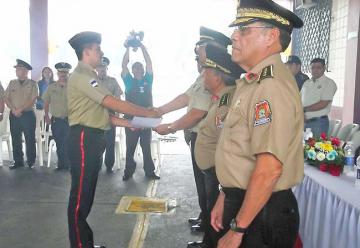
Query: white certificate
point(145, 122)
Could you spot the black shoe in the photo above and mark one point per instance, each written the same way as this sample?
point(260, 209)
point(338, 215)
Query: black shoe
point(127, 177)
point(16, 166)
point(109, 171)
point(153, 176)
point(194, 221)
point(197, 228)
point(196, 244)
point(30, 164)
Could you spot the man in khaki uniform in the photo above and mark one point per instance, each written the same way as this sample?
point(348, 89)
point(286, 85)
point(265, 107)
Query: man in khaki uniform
point(55, 102)
point(20, 97)
point(88, 104)
point(259, 156)
point(219, 74)
point(317, 95)
point(198, 100)
point(2, 102)
point(113, 87)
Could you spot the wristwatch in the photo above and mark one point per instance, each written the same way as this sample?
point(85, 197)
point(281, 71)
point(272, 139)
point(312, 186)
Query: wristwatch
point(235, 228)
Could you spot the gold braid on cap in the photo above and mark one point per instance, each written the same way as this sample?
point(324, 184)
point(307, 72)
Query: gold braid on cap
point(212, 64)
point(259, 13)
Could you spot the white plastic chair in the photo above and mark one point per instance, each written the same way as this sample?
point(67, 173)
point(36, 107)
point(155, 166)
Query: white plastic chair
point(355, 139)
point(5, 135)
point(155, 147)
point(347, 131)
point(52, 144)
point(119, 145)
point(334, 127)
point(38, 135)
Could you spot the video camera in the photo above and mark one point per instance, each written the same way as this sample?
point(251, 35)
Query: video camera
point(134, 40)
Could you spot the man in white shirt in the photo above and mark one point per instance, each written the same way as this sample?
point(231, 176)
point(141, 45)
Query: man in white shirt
point(317, 94)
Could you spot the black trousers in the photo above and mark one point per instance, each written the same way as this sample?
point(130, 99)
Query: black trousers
point(86, 146)
point(132, 138)
point(110, 148)
point(275, 226)
point(26, 124)
point(60, 131)
point(199, 178)
point(212, 191)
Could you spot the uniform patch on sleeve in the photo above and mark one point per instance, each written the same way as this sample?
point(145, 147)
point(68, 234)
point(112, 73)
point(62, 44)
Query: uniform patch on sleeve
point(93, 83)
point(262, 113)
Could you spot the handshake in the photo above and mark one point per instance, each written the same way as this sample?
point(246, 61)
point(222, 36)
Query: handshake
point(134, 40)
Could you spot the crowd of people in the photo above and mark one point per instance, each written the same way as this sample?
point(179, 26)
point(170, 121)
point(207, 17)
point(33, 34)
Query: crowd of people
point(245, 118)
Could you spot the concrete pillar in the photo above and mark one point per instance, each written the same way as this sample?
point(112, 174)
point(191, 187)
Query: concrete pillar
point(38, 36)
point(352, 73)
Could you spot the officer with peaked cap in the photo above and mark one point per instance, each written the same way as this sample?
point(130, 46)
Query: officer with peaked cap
point(88, 104)
point(294, 65)
point(20, 97)
point(112, 85)
point(198, 101)
point(219, 74)
point(55, 103)
point(259, 157)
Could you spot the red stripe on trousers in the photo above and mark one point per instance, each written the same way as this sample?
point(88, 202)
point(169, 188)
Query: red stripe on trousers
point(80, 188)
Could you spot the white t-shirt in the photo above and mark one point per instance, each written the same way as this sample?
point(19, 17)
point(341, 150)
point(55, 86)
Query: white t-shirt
point(313, 91)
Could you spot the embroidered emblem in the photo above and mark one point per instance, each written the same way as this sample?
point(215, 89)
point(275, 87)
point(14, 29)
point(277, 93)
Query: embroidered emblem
point(214, 98)
point(262, 113)
point(267, 72)
point(93, 83)
point(250, 77)
point(224, 101)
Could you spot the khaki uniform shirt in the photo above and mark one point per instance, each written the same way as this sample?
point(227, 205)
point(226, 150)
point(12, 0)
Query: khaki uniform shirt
point(112, 85)
point(265, 116)
point(314, 91)
point(210, 129)
point(85, 96)
point(20, 93)
point(2, 92)
point(56, 96)
point(200, 99)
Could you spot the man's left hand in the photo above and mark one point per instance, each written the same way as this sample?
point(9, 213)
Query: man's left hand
point(162, 129)
point(230, 240)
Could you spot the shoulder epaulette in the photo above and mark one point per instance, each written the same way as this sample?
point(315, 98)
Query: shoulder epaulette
point(266, 72)
point(224, 101)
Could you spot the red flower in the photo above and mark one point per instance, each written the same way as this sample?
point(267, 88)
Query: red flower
point(335, 141)
point(323, 136)
point(311, 142)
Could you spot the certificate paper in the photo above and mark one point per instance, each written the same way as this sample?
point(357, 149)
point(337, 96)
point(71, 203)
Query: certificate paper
point(144, 122)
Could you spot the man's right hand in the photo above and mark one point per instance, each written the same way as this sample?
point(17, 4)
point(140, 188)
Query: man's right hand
point(16, 112)
point(154, 113)
point(217, 213)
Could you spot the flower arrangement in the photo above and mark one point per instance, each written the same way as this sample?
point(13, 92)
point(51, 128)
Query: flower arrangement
point(325, 153)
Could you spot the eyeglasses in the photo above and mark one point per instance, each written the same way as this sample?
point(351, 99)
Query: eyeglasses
point(245, 29)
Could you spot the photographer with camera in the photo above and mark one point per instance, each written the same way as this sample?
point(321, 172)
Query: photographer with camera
point(138, 90)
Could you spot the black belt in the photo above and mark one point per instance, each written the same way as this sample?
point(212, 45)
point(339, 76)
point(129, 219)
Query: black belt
point(89, 129)
point(236, 192)
point(60, 118)
point(317, 118)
